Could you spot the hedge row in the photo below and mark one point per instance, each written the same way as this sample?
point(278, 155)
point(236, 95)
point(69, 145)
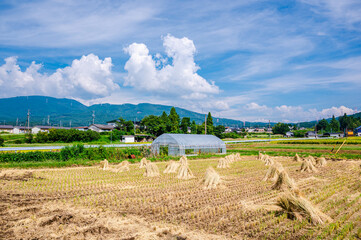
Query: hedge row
point(77, 152)
point(36, 156)
point(321, 141)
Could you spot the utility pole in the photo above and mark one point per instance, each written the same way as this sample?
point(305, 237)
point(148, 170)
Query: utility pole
point(269, 126)
point(17, 121)
point(70, 123)
point(93, 115)
point(60, 123)
point(28, 119)
point(48, 120)
point(205, 124)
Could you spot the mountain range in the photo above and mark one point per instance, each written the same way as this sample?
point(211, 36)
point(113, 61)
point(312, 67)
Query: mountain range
point(66, 112)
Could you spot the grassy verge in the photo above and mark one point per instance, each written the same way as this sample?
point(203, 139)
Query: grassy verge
point(301, 154)
point(85, 162)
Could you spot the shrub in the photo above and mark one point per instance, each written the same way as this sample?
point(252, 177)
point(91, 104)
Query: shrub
point(1, 142)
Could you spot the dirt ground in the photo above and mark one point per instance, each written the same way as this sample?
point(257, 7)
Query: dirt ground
point(89, 203)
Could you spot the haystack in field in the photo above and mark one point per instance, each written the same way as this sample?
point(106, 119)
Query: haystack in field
point(183, 160)
point(123, 166)
point(237, 157)
point(151, 170)
point(298, 207)
point(171, 167)
point(312, 160)
point(184, 171)
point(273, 171)
point(230, 158)
point(284, 182)
point(260, 156)
point(321, 162)
point(211, 179)
point(268, 160)
point(223, 163)
point(307, 166)
point(104, 164)
point(297, 158)
point(143, 162)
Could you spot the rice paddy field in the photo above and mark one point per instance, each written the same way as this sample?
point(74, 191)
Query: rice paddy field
point(92, 203)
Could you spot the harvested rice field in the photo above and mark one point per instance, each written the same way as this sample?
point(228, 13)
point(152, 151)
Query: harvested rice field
point(236, 198)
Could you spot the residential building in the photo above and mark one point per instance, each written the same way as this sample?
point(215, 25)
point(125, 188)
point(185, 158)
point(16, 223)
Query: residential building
point(38, 129)
point(101, 127)
point(6, 128)
point(128, 139)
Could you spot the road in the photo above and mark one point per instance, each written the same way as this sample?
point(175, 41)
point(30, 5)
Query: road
point(6, 149)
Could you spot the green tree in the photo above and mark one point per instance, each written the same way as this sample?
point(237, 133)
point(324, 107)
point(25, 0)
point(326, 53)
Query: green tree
point(166, 127)
point(323, 125)
point(125, 126)
point(186, 122)
point(209, 121)
point(174, 120)
point(152, 124)
point(1, 141)
point(218, 130)
point(334, 124)
point(280, 128)
point(29, 138)
point(194, 127)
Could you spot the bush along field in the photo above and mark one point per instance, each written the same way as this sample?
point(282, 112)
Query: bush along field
point(224, 197)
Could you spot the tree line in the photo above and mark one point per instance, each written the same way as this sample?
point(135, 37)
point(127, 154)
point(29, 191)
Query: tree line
point(172, 123)
point(334, 125)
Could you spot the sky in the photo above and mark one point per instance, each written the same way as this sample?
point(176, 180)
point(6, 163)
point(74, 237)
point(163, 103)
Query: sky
point(288, 61)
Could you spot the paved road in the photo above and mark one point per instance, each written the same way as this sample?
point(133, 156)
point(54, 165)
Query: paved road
point(138, 145)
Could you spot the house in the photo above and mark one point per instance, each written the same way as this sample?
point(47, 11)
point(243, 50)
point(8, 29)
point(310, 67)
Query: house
point(358, 131)
point(260, 130)
point(85, 128)
point(289, 134)
point(228, 130)
point(6, 128)
point(128, 139)
point(334, 135)
point(101, 128)
point(269, 130)
point(251, 130)
point(311, 134)
point(349, 133)
point(21, 129)
point(38, 129)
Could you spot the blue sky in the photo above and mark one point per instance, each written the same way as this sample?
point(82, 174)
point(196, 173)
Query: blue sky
point(248, 60)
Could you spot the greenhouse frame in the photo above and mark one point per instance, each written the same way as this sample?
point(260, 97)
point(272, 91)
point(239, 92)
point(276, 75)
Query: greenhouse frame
point(187, 144)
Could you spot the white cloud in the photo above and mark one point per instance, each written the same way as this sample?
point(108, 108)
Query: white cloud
point(86, 78)
point(256, 107)
point(179, 78)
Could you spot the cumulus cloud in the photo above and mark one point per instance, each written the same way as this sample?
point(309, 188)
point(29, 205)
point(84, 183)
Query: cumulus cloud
point(178, 78)
point(286, 113)
point(256, 107)
point(87, 78)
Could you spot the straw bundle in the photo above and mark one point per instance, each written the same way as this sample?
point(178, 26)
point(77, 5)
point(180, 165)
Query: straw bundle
point(297, 158)
point(143, 162)
point(284, 182)
point(171, 167)
point(211, 179)
point(273, 171)
point(299, 207)
point(151, 170)
point(104, 164)
point(223, 163)
point(321, 162)
point(307, 166)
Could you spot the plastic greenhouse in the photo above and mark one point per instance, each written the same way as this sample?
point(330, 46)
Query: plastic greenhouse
point(187, 144)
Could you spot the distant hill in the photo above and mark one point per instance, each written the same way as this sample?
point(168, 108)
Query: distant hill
point(62, 110)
